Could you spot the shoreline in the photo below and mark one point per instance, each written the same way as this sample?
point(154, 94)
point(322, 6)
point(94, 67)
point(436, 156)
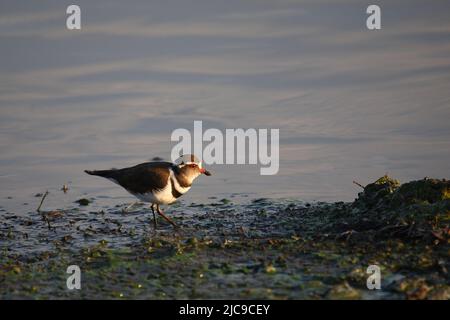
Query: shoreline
point(262, 250)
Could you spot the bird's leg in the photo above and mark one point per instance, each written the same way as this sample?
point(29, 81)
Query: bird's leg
point(155, 224)
point(164, 216)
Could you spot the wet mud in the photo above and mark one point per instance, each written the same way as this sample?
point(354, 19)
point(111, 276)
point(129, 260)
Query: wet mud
point(262, 249)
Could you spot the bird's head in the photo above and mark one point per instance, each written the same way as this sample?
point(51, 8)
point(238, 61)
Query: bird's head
point(191, 166)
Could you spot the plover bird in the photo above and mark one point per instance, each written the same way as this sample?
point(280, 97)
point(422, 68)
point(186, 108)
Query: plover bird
point(157, 182)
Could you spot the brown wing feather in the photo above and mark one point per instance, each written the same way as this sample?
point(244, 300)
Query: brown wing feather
point(143, 178)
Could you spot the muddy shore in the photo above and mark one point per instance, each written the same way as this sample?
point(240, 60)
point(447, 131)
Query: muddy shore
point(265, 249)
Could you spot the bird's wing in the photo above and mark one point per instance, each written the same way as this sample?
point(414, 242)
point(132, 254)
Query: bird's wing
point(144, 177)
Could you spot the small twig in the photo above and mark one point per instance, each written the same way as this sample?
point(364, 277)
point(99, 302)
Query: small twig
point(347, 233)
point(65, 188)
point(42, 201)
point(48, 221)
point(358, 184)
point(44, 216)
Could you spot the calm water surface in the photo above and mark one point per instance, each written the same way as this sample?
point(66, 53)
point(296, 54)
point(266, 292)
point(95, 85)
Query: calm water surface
point(350, 104)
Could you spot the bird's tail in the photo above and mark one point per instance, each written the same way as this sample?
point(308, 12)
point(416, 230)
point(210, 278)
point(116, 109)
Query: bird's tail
point(100, 173)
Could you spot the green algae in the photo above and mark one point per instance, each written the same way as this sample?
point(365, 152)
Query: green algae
point(263, 250)
point(83, 202)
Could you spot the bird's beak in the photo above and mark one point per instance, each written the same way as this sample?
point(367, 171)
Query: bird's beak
point(205, 172)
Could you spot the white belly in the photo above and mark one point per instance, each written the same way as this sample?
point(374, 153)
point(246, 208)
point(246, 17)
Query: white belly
point(162, 196)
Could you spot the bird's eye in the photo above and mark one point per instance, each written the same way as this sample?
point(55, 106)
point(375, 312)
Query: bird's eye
point(192, 165)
